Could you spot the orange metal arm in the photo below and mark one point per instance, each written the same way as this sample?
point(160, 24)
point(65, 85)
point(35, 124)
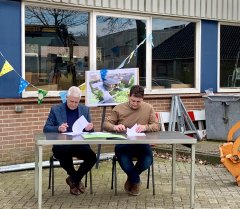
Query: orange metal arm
point(232, 130)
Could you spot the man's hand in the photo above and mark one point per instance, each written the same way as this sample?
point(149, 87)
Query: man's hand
point(89, 127)
point(141, 128)
point(63, 128)
point(119, 128)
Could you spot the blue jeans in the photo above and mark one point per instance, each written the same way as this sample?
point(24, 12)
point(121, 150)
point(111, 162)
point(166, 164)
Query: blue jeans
point(125, 154)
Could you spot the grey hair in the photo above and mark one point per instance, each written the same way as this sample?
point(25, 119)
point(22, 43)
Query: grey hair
point(74, 91)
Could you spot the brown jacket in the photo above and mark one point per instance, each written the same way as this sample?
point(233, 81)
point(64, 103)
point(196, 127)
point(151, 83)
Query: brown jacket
point(123, 114)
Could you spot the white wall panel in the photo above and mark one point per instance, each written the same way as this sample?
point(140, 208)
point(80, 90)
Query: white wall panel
point(155, 6)
point(192, 7)
point(168, 7)
point(235, 10)
point(74, 1)
point(186, 5)
point(98, 3)
point(208, 8)
point(180, 7)
point(174, 7)
point(230, 10)
point(141, 5)
point(148, 6)
point(197, 8)
point(214, 9)
point(203, 8)
point(219, 11)
point(222, 10)
point(90, 2)
point(120, 4)
point(113, 3)
point(238, 10)
point(135, 5)
point(82, 2)
point(162, 6)
point(105, 3)
point(127, 5)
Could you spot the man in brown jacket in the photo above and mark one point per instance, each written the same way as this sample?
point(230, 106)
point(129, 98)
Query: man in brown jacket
point(124, 116)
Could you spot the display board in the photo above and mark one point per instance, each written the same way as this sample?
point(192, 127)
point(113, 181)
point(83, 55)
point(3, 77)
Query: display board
point(109, 87)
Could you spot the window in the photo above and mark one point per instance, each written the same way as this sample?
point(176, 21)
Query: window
point(56, 47)
point(117, 37)
point(229, 57)
point(173, 54)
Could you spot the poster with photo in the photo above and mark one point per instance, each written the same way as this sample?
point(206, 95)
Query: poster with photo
point(109, 87)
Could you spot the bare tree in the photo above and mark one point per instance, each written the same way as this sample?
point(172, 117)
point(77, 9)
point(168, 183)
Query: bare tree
point(115, 25)
point(62, 21)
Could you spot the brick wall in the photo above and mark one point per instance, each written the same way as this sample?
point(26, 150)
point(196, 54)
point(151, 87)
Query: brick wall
point(17, 129)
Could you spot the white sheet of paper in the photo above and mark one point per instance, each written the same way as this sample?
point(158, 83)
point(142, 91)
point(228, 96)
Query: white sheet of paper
point(78, 126)
point(132, 131)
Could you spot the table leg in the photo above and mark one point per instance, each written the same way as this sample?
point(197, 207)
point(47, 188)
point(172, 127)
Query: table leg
point(173, 168)
point(40, 151)
point(36, 170)
point(192, 184)
point(98, 155)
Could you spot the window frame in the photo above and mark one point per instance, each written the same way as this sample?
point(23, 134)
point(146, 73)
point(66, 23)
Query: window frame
point(93, 44)
point(219, 88)
point(197, 77)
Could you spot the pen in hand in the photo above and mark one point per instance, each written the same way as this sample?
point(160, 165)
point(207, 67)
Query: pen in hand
point(63, 128)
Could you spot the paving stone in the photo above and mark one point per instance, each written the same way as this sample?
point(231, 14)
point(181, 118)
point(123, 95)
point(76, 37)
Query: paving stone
point(215, 188)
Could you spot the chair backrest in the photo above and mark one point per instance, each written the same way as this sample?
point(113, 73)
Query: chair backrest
point(232, 130)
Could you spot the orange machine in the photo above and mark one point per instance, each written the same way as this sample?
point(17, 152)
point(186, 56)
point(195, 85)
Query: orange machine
point(230, 153)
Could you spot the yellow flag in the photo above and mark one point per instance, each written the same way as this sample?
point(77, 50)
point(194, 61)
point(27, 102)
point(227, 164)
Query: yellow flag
point(6, 68)
point(83, 87)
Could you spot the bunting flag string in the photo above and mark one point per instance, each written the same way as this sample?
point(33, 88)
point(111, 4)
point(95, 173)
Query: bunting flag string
point(129, 57)
point(7, 67)
point(23, 84)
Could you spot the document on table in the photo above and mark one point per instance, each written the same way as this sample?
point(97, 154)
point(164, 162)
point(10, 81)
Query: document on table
point(132, 131)
point(104, 135)
point(78, 126)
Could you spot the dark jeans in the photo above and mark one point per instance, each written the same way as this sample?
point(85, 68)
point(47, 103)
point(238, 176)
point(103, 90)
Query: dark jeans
point(125, 154)
point(65, 154)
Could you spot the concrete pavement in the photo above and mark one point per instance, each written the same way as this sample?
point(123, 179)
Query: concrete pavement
point(215, 188)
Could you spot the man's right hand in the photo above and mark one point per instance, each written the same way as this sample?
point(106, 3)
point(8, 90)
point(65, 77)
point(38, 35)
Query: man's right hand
point(119, 128)
point(63, 128)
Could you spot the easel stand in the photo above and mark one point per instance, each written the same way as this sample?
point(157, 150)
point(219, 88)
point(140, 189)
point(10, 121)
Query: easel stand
point(180, 117)
point(101, 129)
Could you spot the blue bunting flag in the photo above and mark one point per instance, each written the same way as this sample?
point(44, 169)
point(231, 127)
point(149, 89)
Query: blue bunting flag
point(63, 95)
point(23, 84)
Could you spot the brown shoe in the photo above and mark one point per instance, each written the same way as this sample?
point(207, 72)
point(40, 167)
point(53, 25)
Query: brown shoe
point(73, 189)
point(81, 187)
point(135, 189)
point(127, 186)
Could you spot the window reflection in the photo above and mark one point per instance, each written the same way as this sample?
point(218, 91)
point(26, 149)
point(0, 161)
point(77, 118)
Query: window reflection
point(56, 46)
point(229, 56)
point(173, 54)
point(116, 39)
